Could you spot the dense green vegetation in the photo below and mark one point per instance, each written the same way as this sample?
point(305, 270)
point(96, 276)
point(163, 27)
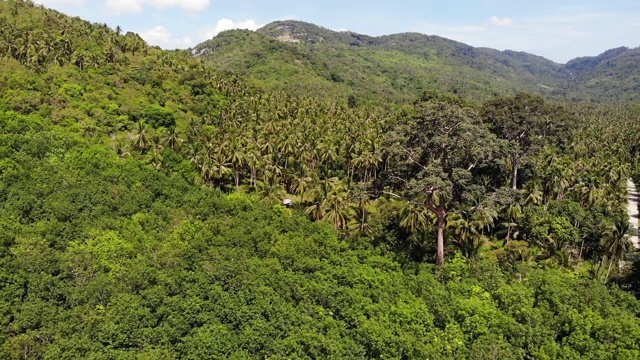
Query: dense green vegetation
point(304, 58)
point(141, 216)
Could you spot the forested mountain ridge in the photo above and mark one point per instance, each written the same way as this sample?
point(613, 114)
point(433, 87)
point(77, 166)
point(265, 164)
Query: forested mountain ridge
point(141, 214)
point(395, 66)
point(613, 75)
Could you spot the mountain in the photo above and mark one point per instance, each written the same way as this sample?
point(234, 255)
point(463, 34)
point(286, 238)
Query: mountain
point(614, 74)
point(302, 57)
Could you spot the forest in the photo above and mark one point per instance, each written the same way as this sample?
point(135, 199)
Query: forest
point(297, 56)
point(142, 215)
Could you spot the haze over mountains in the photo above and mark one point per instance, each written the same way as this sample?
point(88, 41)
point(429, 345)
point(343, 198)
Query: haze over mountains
point(312, 59)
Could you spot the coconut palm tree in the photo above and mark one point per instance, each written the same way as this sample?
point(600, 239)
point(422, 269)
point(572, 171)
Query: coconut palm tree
point(513, 213)
point(270, 189)
point(337, 205)
point(615, 243)
point(237, 158)
point(414, 218)
point(534, 195)
point(360, 199)
point(141, 137)
point(301, 184)
point(466, 233)
point(173, 140)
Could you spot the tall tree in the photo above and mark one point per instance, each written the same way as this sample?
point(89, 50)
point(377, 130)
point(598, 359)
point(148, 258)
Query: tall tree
point(615, 243)
point(524, 121)
point(435, 154)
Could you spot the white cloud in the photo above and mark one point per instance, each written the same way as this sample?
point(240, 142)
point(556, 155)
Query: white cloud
point(162, 37)
point(135, 6)
point(505, 21)
point(124, 6)
point(50, 3)
point(227, 24)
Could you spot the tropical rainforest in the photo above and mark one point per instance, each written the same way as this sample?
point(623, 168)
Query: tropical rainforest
point(142, 214)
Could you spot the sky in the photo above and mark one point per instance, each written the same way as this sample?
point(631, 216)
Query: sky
point(559, 30)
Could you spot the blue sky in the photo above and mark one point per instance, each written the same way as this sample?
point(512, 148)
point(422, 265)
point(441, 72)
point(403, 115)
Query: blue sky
point(559, 30)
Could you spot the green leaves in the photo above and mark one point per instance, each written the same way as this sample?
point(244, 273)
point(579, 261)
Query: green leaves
point(108, 249)
point(148, 265)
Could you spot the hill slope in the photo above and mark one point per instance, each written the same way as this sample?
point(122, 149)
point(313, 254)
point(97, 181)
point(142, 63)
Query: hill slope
point(299, 56)
point(109, 250)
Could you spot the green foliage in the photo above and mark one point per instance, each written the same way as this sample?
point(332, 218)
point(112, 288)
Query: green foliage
point(304, 58)
point(158, 116)
point(141, 211)
point(554, 233)
point(107, 257)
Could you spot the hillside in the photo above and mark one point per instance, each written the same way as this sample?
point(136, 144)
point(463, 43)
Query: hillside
point(614, 74)
point(142, 216)
point(319, 61)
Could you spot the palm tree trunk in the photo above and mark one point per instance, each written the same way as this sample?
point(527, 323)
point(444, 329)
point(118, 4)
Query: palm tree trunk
point(253, 177)
point(440, 245)
point(608, 271)
point(600, 266)
point(581, 247)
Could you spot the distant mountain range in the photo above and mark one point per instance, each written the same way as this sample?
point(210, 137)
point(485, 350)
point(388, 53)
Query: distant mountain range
point(302, 57)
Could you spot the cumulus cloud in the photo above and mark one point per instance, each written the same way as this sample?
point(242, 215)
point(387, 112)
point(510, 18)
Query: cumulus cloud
point(505, 21)
point(227, 24)
point(162, 37)
point(136, 6)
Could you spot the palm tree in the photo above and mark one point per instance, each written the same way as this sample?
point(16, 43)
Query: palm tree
point(615, 243)
point(110, 54)
point(588, 192)
point(173, 139)
point(79, 59)
point(467, 234)
point(337, 205)
point(534, 196)
point(484, 216)
point(237, 158)
point(315, 210)
point(156, 141)
point(141, 138)
point(319, 194)
point(220, 168)
point(270, 189)
point(122, 149)
point(513, 214)
point(414, 218)
point(193, 152)
point(360, 200)
point(301, 185)
point(253, 161)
